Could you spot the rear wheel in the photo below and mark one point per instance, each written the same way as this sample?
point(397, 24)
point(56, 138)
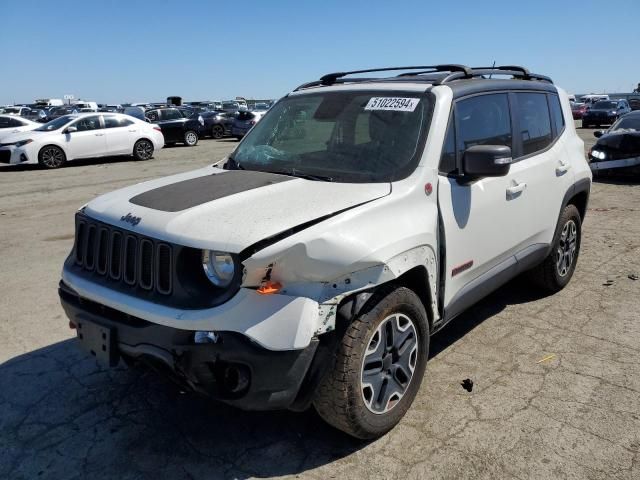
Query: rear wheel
point(190, 138)
point(143, 150)
point(51, 157)
point(217, 132)
point(554, 273)
point(378, 367)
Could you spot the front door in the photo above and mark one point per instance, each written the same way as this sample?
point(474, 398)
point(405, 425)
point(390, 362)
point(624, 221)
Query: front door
point(88, 140)
point(481, 218)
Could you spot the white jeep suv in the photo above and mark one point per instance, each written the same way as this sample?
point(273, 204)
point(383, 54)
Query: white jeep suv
point(354, 221)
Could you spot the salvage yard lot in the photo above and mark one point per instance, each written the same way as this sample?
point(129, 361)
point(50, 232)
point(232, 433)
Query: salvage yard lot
point(556, 379)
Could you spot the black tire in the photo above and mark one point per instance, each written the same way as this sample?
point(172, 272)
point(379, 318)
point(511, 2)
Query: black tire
point(584, 124)
point(217, 132)
point(51, 157)
point(190, 138)
point(343, 399)
point(143, 150)
point(555, 272)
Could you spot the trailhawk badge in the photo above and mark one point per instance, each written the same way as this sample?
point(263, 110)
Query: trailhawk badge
point(130, 219)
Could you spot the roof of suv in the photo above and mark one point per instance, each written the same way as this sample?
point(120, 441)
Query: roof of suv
point(461, 79)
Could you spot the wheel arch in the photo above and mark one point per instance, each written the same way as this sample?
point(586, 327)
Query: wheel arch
point(415, 279)
point(52, 144)
point(578, 195)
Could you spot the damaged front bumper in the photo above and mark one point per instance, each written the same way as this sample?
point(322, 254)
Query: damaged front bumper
point(232, 368)
point(624, 165)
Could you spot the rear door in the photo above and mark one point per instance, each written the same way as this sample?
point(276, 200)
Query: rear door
point(88, 141)
point(541, 159)
point(121, 133)
point(481, 219)
point(172, 122)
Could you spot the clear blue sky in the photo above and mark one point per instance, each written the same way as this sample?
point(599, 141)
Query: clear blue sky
point(133, 50)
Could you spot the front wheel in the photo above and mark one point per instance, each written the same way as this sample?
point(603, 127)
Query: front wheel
point(217, 132)
point(378, 367)
point(554, 273)
point(51, 157)
point(143, 150)
point(190, 138)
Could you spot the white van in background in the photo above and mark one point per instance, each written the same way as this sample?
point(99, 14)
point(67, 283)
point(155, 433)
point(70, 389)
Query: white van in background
point(85, 106)
point(591, 99)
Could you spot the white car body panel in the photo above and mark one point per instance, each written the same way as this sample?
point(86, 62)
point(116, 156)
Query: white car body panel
point(80, 144)
point(193, 227)
point(28, 126)
point(369, 234)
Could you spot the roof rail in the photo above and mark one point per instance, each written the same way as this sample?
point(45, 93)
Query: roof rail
point(455, 72)
point(330, 78)
point(513, 70)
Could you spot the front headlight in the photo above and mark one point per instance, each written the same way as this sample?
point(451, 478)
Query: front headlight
point(599, 154)
point(219, 267)
point(23, 142)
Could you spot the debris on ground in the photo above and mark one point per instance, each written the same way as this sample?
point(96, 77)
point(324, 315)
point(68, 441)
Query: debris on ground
point(548, 357)
point(633, 276)
point(467, 384)
point(608, 283)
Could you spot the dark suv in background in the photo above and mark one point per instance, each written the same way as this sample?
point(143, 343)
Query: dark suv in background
point(178, 125)
point(605, 112)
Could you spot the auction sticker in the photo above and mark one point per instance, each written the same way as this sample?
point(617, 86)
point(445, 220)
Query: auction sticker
point(397, 104)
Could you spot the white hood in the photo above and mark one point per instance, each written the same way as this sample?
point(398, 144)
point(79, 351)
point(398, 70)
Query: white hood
point(16, 137)
point(238, 217)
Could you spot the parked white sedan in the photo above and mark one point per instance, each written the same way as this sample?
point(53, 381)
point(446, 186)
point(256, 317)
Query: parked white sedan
point(10, 124)
point(82, 135)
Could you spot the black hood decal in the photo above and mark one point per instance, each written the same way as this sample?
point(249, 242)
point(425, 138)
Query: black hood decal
point(196, 191)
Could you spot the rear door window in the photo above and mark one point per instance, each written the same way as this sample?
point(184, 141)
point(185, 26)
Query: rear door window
point(534, 123)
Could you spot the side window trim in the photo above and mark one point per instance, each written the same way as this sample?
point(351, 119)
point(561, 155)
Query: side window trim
point(451, 128)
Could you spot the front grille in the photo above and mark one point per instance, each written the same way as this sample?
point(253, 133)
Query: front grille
point(127, 258)
point(5, 156)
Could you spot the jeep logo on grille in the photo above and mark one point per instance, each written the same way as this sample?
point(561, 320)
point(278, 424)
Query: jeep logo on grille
point(130, 219)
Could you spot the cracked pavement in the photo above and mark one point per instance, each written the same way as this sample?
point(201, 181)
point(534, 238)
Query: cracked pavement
point(556, 379)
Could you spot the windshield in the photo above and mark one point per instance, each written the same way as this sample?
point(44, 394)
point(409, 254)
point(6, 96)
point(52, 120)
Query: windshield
point(341, 136)
point(605, 105)
point(55, 124)
point(630, 123)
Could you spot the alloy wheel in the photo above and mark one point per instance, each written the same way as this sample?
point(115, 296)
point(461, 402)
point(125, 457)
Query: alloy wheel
point(389, 363)
point(144, 150)
point(217, 132)
point(191, 138)
point(52, 157)
point(567, 247)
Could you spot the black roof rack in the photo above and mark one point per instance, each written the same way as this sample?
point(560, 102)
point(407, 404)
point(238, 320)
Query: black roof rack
point(452, 71)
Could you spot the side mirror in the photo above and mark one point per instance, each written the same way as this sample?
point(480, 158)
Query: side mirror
point(486, 161)
point(71, 130)
point(598, 133)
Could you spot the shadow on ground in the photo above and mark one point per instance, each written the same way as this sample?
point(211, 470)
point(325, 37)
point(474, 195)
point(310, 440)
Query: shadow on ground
point(63, 417)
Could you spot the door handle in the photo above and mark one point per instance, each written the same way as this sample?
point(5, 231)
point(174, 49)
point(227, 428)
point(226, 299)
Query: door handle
point(516, 189)
point(99, 134)
point(562, 168)
point(134, 130)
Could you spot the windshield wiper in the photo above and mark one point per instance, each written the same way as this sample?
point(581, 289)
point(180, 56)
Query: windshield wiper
point(300, 174)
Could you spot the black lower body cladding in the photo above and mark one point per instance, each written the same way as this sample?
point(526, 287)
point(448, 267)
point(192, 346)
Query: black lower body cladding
point(234, 369)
